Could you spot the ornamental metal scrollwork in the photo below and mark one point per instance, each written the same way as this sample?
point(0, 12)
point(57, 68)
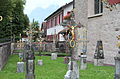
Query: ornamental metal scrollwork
point(1, 18)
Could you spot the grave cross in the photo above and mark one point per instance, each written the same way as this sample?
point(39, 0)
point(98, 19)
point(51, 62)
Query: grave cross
point(69, 22)
point(30, 64)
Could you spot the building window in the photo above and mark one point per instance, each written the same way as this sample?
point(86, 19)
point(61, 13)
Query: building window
point(98, 8)
point(59, 18)
point(51, 22)
point(55, 21)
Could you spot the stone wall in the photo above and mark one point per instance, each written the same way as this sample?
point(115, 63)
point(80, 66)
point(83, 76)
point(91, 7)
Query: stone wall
point(80, 17)
point(102, 27)
point(5, 50)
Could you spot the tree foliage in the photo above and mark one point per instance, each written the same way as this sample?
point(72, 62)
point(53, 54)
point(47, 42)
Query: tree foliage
point(14, 20)
point(35, 29)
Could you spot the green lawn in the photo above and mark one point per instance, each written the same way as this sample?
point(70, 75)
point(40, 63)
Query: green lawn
point(55, 69)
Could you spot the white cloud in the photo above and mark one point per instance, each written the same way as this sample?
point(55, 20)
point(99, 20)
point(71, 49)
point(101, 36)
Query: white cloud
point(32, 4)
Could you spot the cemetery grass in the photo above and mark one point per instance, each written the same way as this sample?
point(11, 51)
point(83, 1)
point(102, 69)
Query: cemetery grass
point(54, 69)
point(49, 53)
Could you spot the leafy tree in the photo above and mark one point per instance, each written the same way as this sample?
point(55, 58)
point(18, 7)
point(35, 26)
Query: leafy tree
point(14, 20)
point(35, 28)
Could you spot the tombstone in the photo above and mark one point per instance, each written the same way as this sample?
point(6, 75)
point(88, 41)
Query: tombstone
point(30, 70)
point(83, 62)
point(53, 56)
point(20, 67)
point(40, 62)
point(99, 54)
point(74, 71)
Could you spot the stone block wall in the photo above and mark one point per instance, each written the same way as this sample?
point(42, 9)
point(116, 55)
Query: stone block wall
point(5, 51)
point(103, 27)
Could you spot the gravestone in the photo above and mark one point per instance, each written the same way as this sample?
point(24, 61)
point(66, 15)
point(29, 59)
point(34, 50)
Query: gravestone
point(83, 62)
point(99, 54)
point(40, 62)
point(20, 67)
point(30, 70)
point(53, 56)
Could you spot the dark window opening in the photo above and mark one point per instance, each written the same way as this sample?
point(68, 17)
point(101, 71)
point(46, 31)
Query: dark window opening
point(98, 6)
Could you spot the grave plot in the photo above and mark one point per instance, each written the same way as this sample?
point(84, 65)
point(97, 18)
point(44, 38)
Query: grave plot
point(55, 69)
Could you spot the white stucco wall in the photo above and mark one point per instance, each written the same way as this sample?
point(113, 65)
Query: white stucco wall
point(54, 30)
point(68, 8)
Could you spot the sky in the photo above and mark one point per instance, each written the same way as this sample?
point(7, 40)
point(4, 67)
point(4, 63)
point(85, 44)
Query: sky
point(40, 9)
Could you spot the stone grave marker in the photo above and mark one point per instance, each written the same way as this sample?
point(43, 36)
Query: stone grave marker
point(53, 56)
point(20, 67)
point(40, 62)
point(30, 70)
point(99, 54)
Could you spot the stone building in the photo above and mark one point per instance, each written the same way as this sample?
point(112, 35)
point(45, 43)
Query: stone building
point(101, 24)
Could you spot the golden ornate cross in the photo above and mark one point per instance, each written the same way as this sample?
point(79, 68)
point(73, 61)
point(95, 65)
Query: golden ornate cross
point(1, 18)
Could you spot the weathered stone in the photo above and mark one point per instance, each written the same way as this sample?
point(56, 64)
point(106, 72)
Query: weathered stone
point(102, 27)
point(20, 67)
point(71, 75)
point(98, 62)
point(83, 62)
point(30, 70)
point(117, 67)
point(68, 74)
point(40, 62)
point(30, 66)
point(53, 56)
point(75, 69)
point(5, 51)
